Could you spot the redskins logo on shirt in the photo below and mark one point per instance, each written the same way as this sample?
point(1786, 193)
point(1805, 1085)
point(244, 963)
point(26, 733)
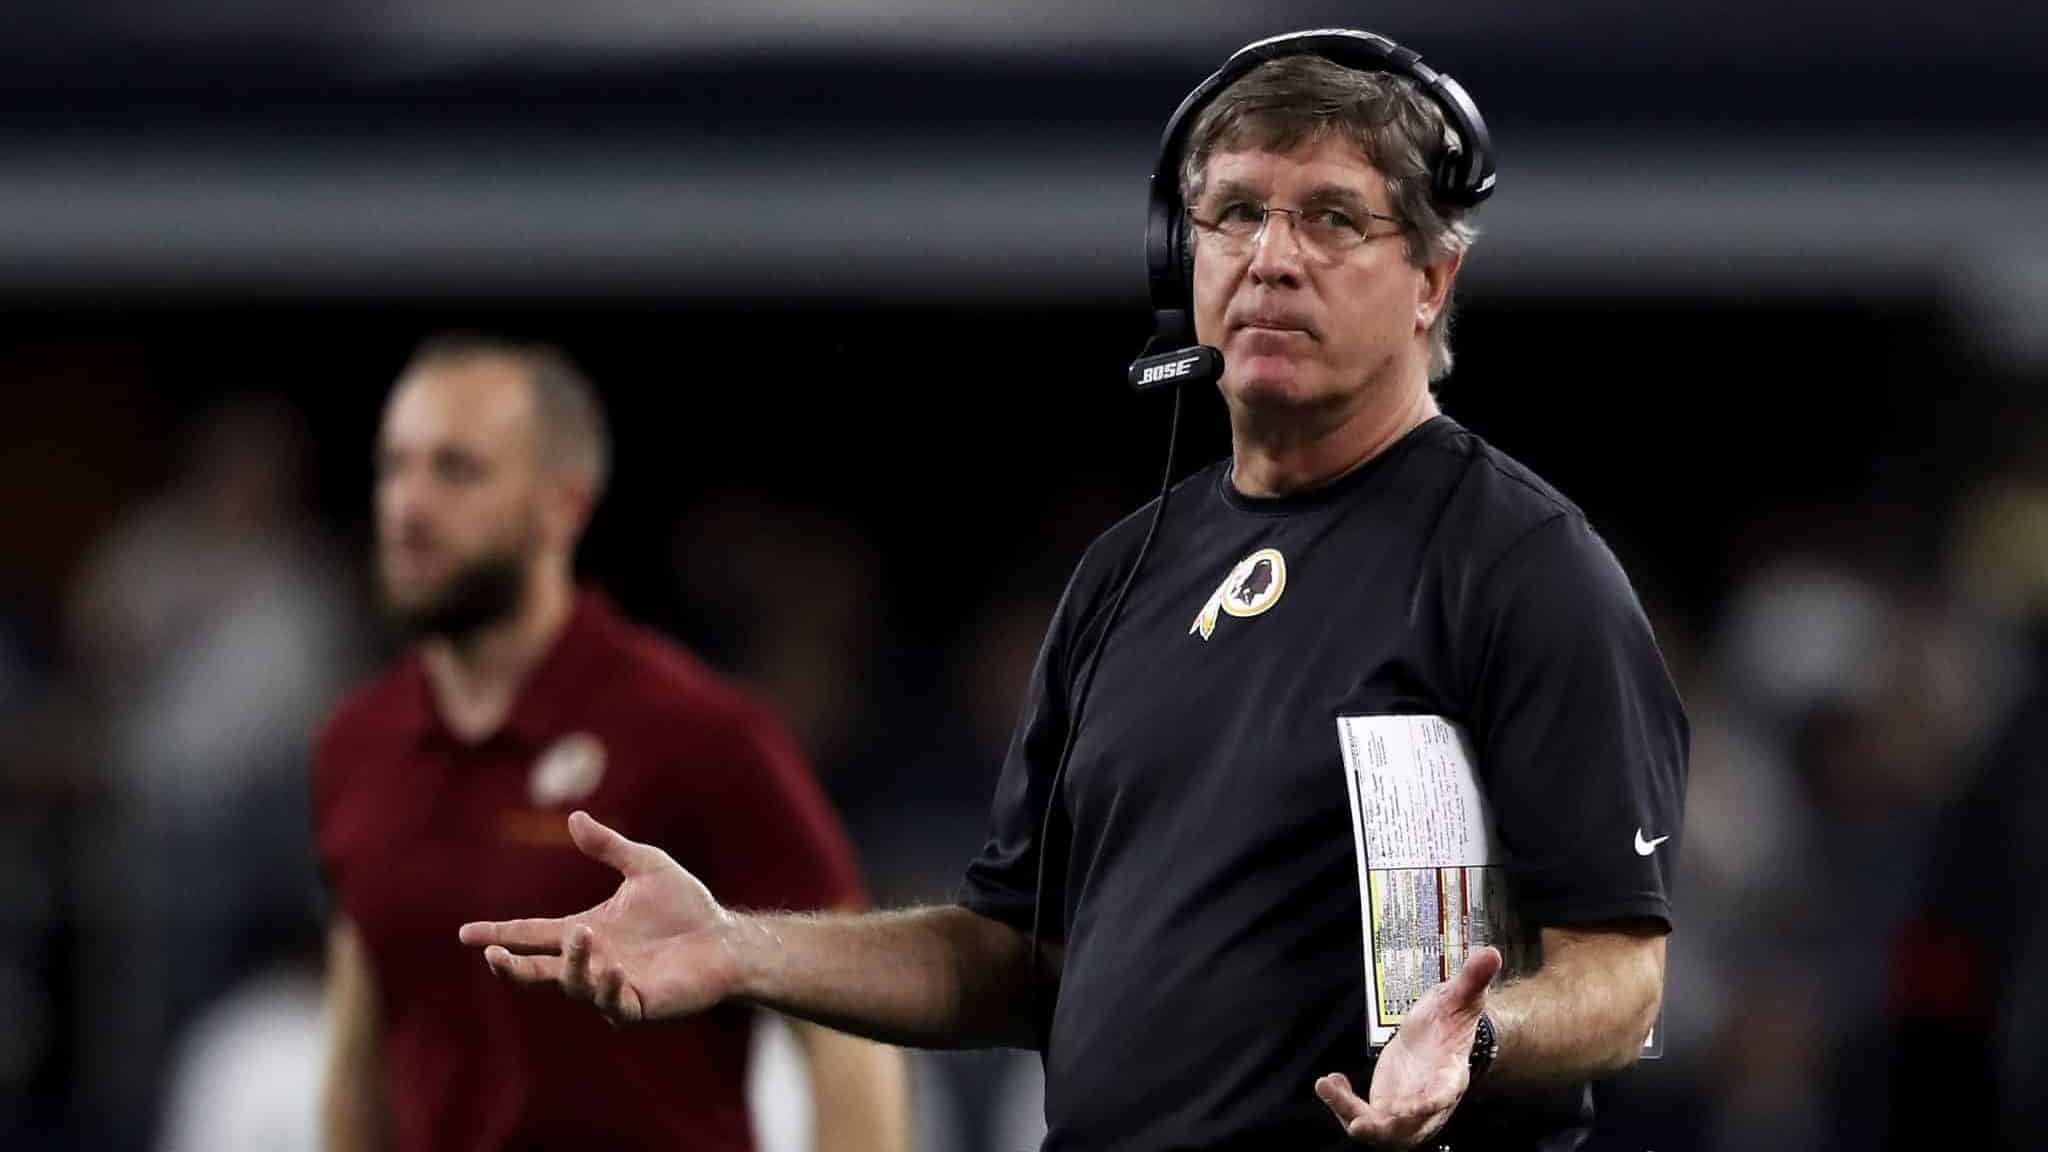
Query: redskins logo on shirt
point(1251, 588)
point(567, 772)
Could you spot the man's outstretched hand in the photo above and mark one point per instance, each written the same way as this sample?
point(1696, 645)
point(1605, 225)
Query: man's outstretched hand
point(1423, 1072)
point(657, 948)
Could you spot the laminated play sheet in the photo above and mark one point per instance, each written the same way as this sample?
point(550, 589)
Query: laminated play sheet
point(1431, 885)
point(1429, 882)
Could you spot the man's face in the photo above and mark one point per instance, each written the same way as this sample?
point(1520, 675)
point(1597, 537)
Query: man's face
point(458, 497)
point(1301, 328)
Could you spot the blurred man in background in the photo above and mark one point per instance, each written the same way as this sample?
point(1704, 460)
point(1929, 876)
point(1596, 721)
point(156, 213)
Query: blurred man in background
point(441, 787)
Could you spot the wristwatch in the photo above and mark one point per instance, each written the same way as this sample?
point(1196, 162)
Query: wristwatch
point(1485, 1047)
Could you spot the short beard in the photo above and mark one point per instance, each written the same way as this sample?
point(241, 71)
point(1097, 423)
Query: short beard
point(485, 593)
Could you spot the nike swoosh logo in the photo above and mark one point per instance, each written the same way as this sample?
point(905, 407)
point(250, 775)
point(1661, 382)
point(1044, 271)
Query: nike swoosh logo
point(1645, 847)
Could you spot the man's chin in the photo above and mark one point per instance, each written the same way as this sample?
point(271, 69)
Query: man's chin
point(412, 619)
point(1273, 385)
point(400, 601)
point(460, 609)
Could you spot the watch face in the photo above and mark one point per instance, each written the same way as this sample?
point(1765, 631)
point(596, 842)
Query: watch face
point(1485, 1044)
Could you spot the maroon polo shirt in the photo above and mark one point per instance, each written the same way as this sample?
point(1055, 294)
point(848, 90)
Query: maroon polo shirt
point(419, 832)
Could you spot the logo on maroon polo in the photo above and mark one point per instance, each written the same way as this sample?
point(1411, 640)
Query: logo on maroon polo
point(569, 771)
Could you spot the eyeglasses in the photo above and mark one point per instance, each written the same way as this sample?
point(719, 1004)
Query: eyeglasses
point(1324, 233)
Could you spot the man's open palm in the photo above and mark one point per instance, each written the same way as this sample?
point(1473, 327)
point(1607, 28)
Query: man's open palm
point(653, 950)
point(1423, 1072)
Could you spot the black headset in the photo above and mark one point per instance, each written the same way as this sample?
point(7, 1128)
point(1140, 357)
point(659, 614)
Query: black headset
point(1461, 175)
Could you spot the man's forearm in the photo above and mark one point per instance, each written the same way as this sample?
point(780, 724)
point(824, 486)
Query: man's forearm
point(860, 1091)
point(352, 1109)
point(939, 977)
point(350, 1117)
point(1583, 1014)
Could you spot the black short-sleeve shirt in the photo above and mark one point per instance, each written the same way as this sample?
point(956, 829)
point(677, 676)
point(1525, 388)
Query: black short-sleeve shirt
point(1200, 864)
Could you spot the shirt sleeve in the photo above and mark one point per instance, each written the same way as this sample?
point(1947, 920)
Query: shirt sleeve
point(770, 838)
point(1002, 882)
point(325, 793)
point(1581, 734)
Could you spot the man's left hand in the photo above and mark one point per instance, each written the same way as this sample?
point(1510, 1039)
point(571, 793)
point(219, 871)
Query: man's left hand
point(1424, 1071)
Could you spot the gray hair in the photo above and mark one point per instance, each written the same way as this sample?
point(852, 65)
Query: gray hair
point(1296, 100)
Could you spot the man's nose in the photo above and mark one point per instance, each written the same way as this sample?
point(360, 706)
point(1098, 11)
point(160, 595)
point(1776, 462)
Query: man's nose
point(403, 497)
point(1276, 259)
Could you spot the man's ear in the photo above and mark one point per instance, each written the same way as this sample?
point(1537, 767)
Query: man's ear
point(1437, 276)
point(570, 501)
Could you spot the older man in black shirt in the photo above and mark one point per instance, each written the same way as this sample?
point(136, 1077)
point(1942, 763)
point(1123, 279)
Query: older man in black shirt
point(1189, 880)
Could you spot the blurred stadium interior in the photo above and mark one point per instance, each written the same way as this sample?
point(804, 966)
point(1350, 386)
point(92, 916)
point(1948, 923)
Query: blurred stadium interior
point(1763, 292)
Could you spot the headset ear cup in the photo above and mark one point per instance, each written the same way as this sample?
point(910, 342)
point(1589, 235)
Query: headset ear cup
point(1164, 254)
point(1184, 234)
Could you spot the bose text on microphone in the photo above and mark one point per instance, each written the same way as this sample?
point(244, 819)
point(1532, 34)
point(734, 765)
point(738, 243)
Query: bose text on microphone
point(1200, 364)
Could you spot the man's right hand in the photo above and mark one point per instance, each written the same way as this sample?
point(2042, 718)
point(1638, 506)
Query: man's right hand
point(659, 947)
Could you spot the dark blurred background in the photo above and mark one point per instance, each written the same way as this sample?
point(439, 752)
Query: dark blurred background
point(1762, 290)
